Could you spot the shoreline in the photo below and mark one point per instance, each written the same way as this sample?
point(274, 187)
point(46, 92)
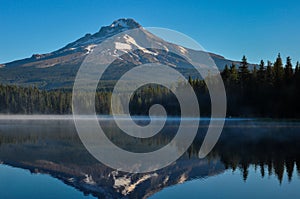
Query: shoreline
point(134, 117)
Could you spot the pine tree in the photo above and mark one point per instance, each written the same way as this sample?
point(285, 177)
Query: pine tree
point(288, 70)
point(233, 73)
point(297, 68)
point(261, 71)
point(190, 80)
point(297, 74)
point(254, 73)
point(269, 73)
point(243, 70)
point(226, 74)
point(278, 70)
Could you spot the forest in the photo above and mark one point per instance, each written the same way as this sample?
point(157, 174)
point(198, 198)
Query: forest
point(268, 90)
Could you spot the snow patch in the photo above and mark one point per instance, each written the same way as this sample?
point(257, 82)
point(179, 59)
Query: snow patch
point(182, 179)
point(166, 180)
point(89, 180)
point(182, 50)
point(132, 187)
point(126, 182)
point(166, 49)
point(90, 48)
point(122, 182)
point(120, 23)
point(131, 40)
point(122, 46)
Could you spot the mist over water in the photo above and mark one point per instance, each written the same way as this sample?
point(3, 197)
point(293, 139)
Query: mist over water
point(259, 152)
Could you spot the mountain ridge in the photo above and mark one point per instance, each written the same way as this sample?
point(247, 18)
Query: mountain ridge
point(64, 62)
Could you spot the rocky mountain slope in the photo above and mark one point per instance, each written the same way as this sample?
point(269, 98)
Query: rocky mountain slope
point(58, 69)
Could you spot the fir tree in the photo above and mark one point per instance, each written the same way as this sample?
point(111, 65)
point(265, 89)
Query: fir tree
point(226, 74)
point(233, 73)
point(243, 70)
point(278, 70)
point(288, 70)
point(254, 73)
point(297, 74)
point(269, 73)
point(261, 71)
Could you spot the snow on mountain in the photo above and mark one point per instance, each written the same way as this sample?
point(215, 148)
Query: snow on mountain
point(58, 69)
point(129, 42)
point(121, 22)
point(122, 46)
point(90, 48)
point(116, 27)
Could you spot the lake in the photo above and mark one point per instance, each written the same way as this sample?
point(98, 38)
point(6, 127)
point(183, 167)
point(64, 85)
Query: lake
point(44, 158)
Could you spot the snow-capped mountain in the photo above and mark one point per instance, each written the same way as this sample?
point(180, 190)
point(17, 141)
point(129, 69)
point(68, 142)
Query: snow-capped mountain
point(58, 69)
point(89, 41)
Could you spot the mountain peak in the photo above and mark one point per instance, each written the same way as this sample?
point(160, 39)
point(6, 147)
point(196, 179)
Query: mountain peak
point(119, 26)
point(126, 23)
point(116, 27)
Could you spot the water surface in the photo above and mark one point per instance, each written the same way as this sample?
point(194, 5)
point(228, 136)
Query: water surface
point(253, 158)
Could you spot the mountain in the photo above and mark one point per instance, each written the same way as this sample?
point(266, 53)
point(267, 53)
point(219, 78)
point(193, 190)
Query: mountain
point(58, 69)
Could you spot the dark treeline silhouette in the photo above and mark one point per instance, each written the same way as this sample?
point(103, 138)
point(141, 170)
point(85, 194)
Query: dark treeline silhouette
point(30, 100)
point(267, 90)
point(23, 100)
point(271, 151)
point(271, 90)
point(14, 99)
point(269, 157)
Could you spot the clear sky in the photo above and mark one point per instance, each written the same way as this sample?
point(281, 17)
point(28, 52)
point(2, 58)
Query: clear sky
point(257, 28)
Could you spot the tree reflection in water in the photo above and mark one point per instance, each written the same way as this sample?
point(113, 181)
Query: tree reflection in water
point(53, 147)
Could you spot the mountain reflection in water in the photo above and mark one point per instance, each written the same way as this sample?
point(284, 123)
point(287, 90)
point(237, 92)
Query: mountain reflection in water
point(53, 147)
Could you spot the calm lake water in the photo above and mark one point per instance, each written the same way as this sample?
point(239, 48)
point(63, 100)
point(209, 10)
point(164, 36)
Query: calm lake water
point(252, 159)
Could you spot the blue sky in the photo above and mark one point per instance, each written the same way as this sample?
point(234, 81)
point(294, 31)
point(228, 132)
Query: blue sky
point(258, 29)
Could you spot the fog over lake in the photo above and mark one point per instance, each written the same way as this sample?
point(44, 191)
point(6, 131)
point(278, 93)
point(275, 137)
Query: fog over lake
point(251, 154)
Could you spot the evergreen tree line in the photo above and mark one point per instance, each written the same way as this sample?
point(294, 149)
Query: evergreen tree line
point(265, 90)
point(269, 90)
point(23, 100)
